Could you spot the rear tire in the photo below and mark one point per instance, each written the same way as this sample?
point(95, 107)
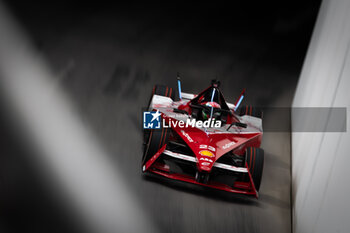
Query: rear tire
point(163, 91)
point(251, 111)
point(255, 161)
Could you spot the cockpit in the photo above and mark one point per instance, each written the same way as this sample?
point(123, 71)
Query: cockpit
point(210, 104)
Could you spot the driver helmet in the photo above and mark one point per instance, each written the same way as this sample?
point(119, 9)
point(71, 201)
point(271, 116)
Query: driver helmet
point(206, 111)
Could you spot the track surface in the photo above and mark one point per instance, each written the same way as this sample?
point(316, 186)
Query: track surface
point(108, 63)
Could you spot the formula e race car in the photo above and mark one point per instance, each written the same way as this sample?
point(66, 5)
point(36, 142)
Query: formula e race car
point(204, 140)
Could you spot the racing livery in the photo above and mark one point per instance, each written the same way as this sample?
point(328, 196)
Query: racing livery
point(204, 140)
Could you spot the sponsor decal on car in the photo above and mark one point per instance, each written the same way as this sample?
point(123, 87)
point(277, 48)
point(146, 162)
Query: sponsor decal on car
point(206, 153)
point(206, 159)
point(228, 145)
point(205, 163)
point(187, 136)
point(207, 147)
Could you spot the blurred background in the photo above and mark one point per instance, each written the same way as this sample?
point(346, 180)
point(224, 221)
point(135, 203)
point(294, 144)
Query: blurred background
point(74, 78)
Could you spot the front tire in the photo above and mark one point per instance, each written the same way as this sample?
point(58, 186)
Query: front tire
point(156, 140)
point(255, 162)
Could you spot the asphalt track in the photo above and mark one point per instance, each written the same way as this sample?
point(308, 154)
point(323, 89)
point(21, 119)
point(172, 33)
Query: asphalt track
point(108, 65)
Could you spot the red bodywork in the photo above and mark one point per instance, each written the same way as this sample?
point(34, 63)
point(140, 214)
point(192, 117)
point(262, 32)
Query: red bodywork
point(218, 143)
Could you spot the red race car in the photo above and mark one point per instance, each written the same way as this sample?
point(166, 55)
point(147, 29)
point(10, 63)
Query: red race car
point(204, 140)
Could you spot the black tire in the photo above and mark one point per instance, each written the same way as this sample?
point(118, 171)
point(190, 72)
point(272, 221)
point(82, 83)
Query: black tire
point(255, 160)
point(163, 91)
point(156, 140)
point(250, 111)
point(152, 137)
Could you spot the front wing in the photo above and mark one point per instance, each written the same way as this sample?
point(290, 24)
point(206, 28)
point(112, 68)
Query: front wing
point(241, 187)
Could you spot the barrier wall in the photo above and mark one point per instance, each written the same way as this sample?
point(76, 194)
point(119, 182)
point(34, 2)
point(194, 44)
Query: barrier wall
point(321, 161)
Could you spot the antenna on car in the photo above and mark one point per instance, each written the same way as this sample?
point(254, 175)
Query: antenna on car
point(215, 83)
point(238, 102)
point(179, 85)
